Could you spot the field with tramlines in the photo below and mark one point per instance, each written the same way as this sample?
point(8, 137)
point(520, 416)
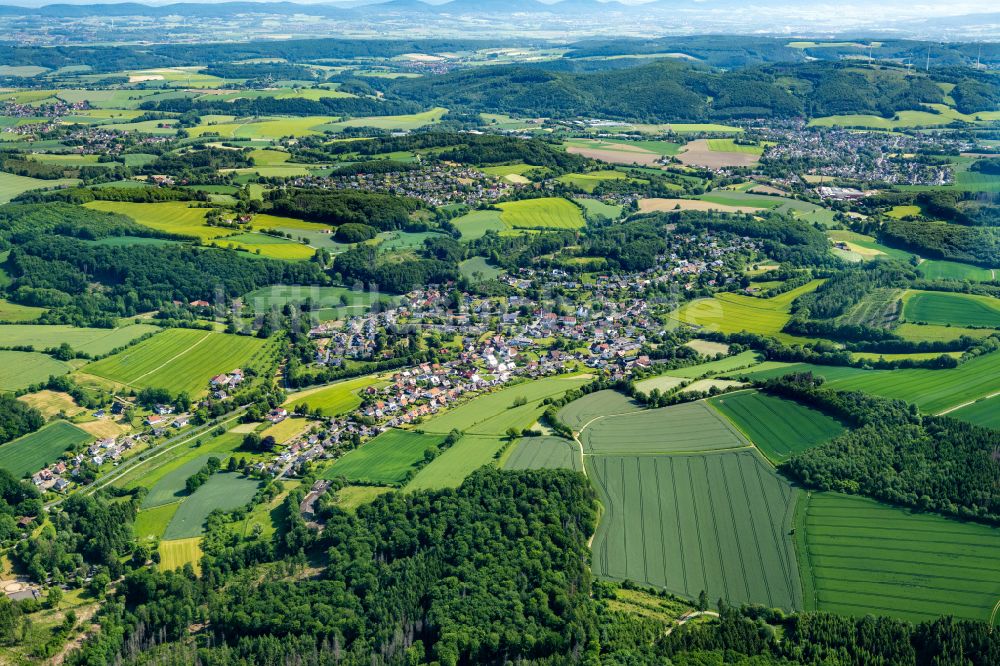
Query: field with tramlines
point(547, 213)
point(386, 459)
point(685, 428)
point(582, 411)
point(984, 413)
point(780, 428)
point(36, 450)
point(865, 557)
point(955, 309)
point(716, 522)
point(177, 360)
point(545, 453)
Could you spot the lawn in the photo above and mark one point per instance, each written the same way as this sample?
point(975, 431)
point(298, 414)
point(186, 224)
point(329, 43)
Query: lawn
point(178, 360)
point(460, 460)
point(983, 412)
point(475, 224)
point(934, 307)
point(865, 558)
point(335, 399)
point(780, 428)
point(386, 459)
point(543, 213)
point(93, 341)
point(12, 185)
point(545, 453)
point(224, 490)
point(582, 411)
point(718, 523)
point(691, 427)
point(493, 413)
point(34, 451)
point(19, 370)
point(174, 217)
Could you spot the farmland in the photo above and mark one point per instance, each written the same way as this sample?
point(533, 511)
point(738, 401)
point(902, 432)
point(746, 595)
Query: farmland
point(864, 557)
point(582, 411)
point(476, 223)
point(936, 269)
point(19, 370)
point(717, 523)
point(151, 523)
point(463, 458)
point(780, 428)
point(386, 459)
point(545, 453)
point(50, 403)
point(337, 398)
point(175, 553)
point(12, 185)
point(224, 490)
point(173, 217)
point(15, 312)
point(178, 360)
point(36, 450)
point(677, 376)
point(545, 213)
point(947, 308)
point(328, 302)
point(983, 412)
point(94, 341)
point(685, 428)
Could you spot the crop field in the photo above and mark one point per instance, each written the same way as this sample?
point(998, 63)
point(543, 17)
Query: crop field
point(178, 360)
point(701, 152)
point(973, 181)
point(948, 308)
point(983, 412)
point(170, 488)
point(50, 403)
point(19, 370)
point(286, 429)
point(616, 152)
point(267, 246)
point(733, 313)
point(727, 364)
point(349, 498)
point(864, 557)
point(780, 428)
point(493, 413)
point(12, 185)
point(151, 523)
point(475, 224)
point(582, 411)
point(730, 146)
point(34, 451)
point(273, 128)
point(151, 472)
point(593, 207)
point(936, 269)
point(460, 460)
point(224, 490)
point(932, 332)
point(175, 553)
point(588, 181)
point(933, 391)
point(15, 312)
point(691, 427)
point(94, 341)
point(335, 399)
point(867, 246)
point(545, 453)
point(717, 523)
point(386, 459)
point(707, 347)
point(545, 213)
point(174, 217)
point(329, 302)
point(404, 122)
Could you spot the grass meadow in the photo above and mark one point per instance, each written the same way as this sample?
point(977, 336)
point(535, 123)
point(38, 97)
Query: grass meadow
point(94, 341)
point(224, 490)
point(544, 213)
point(19, 370)
point(545, 453)
point(460, 460)
point(943, 308)
point(335, 399)
point(386, 459)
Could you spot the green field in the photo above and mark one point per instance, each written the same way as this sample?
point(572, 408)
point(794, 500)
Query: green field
point(224, 490)
point(328, 302)
point(406, 122)
point(178, 360)
point(934, 307)
point(15, 312)
point(335, 399)
point(475, 224)
point(170, 487)
point(780, 428)
point(936, 269)
point(717, 523)
point(677, 376)
point(734, 313)
point(267, 246)
point(544, 213)
point(150, 524)
point(730, 146)
point(932, 391)
point(588, 181)
point(864, 557)
point(918, 332)
point(461, 459)
point(582, 411)
point(386, 459)
point(174, 217)
point(32, 452)
point(545, 453)
point(150, 473)
point(685, 428)
point(12, 185)
point(983, 412)
point(19, 370)
point(595, 208)
point(478, 269)
point(94, 341)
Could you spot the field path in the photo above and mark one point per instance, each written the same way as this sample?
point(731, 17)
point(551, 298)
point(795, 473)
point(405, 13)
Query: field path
point(174, 357)
point(966, 404)
point(579, 444)
point(687, 617)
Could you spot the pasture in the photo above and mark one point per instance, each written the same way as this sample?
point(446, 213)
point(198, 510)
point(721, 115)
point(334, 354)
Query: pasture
point(173, 217)
point(405, 122)
point(170, 488)
point(386, 459)
point(224, 490)
point(34, 451)
point(265, 245)
point(460, 460)
point(589, 181)
point(93, 341)
point(12, 185)
point(476, 223)
point(150, 473)
point(19, 370)
point(596, 208)
point(478, 269)
point(284, 430)
point(582, 411)
point(780, 428)
point(984, 412)
point(544, 213)
point(349, 498)
point(545, 453)
point(933, 307)
point(717, 523)
point(919, 332)
point(15, 312)
point(864, 557)
point(334, 399)
point(151, 523)
point(937, 269)
point(178, 360)
point(327, 302)
point(691, 427)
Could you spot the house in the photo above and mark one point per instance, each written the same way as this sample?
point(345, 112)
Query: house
point(155, 420)
point(200, 304)
point(277, 415)
point(60, 485)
